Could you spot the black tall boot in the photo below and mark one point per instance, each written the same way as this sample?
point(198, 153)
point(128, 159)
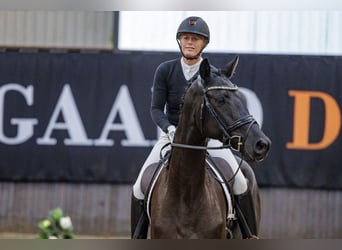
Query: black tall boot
point(246, 215)
point(139, 219)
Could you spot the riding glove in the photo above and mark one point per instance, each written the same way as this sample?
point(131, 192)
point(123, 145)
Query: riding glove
point(171, 132)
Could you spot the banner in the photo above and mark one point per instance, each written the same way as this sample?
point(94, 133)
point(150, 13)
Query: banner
point(84, 117)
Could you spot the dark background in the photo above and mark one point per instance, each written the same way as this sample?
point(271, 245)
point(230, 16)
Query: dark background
point(95, 79)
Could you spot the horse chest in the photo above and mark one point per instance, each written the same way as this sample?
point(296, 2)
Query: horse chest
point(182, 218)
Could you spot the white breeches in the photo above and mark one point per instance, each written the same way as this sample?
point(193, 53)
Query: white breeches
point(240, 183)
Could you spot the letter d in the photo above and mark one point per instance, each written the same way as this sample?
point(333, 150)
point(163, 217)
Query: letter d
point(301, 126)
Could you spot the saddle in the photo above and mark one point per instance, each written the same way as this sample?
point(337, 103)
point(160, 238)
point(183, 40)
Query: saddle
point(217, 167)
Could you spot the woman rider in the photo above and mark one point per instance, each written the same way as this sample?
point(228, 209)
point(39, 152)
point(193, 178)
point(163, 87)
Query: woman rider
point(170, 81)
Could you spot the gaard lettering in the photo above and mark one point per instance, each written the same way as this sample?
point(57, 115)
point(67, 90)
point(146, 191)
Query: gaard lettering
point(72, 123)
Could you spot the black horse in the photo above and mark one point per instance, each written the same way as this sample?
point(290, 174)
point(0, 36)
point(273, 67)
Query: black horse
point(187, 200)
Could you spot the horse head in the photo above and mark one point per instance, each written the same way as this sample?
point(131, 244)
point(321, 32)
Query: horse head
point(221, 113)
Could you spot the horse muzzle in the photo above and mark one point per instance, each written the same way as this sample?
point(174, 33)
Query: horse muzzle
point(260, 149)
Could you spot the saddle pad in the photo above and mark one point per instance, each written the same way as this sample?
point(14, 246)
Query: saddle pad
point(148, 176)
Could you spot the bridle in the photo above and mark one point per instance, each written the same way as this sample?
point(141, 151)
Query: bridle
point(234, 142)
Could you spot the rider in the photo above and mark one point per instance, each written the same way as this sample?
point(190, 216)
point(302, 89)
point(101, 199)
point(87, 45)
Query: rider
point(170, 81)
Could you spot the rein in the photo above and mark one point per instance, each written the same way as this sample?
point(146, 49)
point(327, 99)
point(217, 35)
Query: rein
point(229, 145)
point(179, 145)
point(186, 146)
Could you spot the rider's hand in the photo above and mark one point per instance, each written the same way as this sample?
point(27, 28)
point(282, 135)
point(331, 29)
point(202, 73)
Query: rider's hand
point(171, 132)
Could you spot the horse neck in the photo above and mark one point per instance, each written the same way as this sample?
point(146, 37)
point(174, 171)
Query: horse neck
point(187, 166)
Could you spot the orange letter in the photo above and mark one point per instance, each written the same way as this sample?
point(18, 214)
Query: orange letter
point(302, 120)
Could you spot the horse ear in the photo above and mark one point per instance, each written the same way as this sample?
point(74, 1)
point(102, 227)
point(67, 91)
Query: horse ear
point(205, 70)
point(230, 68)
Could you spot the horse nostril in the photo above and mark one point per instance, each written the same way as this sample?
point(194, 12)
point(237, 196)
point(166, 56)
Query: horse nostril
point(261, 146)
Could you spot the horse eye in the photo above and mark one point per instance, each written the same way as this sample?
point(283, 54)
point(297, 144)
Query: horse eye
point(221, 101)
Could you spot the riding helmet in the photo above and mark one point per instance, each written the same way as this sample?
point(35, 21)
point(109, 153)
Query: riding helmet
point(195, 25)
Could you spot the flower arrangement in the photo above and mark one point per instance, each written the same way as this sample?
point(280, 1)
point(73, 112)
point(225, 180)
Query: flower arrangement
point(56, 226)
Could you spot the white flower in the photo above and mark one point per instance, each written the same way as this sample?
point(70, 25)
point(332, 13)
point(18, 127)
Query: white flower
point(52, 237)
point(65, 222)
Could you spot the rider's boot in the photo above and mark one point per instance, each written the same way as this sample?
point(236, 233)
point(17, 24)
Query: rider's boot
point(139, 219)
point(246, 215)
